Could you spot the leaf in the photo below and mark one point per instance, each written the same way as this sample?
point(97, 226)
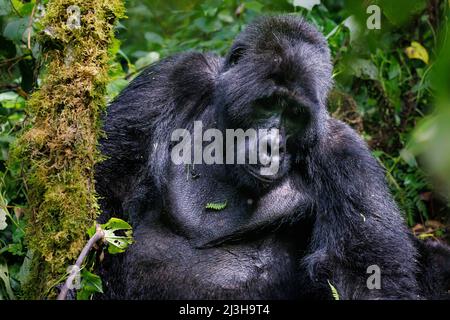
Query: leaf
point(408, 157)
point(153, 37)
point(225, 16)
point(4, 276)
point(334, 291)
point(424, 236)
point(354, 27)
point(5, 7)
point(116, 224)
point(364, 69)
point(15, 29)
point(27, 8)
point(216, 206)
point(146, 60)
point(116, 243)
point(90, 284)
point(25, 268)
point(3, 223)
point(115, 87)
point(10, 100)
point(307, 4)
point(417, 51)
point(254, 5)
point(3, 212)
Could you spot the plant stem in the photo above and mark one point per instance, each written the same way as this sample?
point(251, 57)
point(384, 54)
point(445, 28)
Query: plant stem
point(99, 235)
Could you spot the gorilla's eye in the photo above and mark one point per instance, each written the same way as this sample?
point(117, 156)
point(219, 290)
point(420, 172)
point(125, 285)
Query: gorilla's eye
point(267, 107)
point(295, 112)
point(236, 54)
point(297, 118)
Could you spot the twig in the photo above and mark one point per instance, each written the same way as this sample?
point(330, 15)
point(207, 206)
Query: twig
point(99, 235)
point(30, 24)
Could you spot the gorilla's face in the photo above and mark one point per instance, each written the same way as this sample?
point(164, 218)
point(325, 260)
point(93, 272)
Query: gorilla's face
point(277, 75)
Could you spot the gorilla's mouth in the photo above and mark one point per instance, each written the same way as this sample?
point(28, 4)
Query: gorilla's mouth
point(271, 160)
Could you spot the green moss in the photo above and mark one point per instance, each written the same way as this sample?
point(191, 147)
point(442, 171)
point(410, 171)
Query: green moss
point(59, 151)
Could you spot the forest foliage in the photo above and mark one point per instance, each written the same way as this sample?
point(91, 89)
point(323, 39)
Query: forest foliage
point(391, 85)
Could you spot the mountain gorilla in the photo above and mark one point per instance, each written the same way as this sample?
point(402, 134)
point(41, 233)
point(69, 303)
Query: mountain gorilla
point(323, 219)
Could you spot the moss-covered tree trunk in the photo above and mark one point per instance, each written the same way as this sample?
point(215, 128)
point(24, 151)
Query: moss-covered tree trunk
point(59, 150)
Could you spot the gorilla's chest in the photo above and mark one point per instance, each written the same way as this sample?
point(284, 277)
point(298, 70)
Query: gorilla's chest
point(243, 251)
point(163, 265)
point(240, 214)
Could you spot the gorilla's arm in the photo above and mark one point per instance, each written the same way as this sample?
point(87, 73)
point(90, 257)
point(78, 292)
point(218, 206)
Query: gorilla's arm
point(357, 223)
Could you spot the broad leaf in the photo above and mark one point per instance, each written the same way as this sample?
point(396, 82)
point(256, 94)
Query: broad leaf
point(417, 51)
point(118, 235)
point(90, 284)
point(4, 277)
point(307, 4)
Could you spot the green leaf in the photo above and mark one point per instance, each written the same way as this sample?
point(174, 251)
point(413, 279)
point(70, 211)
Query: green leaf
point(354, 27)
point(150, 58)
point(27, 8)
point(4, 276)
point(334, 291)
point(225, 16)
point(17, 4)
point(117, 243)
point(408, 157)
point(15, 29)
point(91, 230)
point(216, 206)
point(90, 284)
point(5, 7)
point(254, 5)
point(11, 100)
point(152, 37)
point(8, 96)
point(115, 87)
point(116, 224)
point(25, 268)
point(364, 69)
point(307, 4)
point(209, 12)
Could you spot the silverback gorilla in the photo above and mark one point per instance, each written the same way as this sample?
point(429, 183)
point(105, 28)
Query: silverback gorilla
point(324, 218)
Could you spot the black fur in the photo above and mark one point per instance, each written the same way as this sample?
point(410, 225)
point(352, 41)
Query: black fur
point(325, 217)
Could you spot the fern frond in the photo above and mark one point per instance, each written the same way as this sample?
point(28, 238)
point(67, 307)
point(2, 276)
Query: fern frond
point(334, 291)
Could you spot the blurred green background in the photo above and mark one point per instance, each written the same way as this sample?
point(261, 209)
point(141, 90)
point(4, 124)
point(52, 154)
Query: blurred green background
point(392, 85)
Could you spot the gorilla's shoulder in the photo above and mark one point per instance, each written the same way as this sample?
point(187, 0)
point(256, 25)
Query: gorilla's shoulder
point(181, 75)
point(183, 81)
point(345, 153)
point(342, 139)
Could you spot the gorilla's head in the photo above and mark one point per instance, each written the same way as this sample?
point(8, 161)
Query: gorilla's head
point(277, 75)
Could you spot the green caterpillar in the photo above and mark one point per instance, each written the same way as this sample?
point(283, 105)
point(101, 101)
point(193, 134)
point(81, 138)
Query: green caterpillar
point(216, 206)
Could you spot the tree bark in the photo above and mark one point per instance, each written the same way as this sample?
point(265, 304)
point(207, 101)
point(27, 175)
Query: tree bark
point(59, 151)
